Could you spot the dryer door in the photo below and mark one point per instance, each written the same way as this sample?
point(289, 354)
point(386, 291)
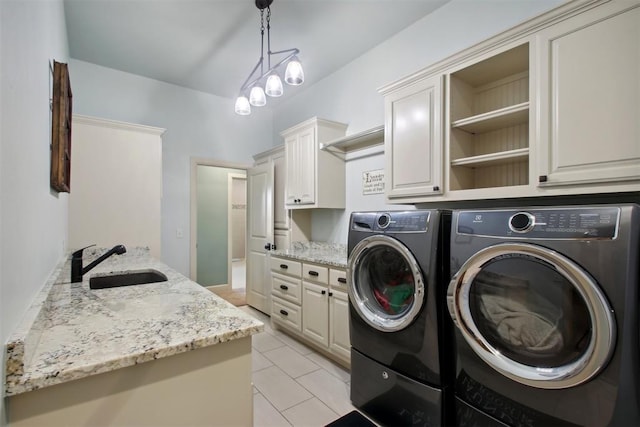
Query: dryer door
point(533, 315)
point(386, 285)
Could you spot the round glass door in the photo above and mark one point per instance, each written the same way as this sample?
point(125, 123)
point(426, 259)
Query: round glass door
point(533, 315)
point(386, 286)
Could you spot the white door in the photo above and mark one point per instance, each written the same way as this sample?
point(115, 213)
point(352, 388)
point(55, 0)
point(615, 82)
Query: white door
point(259, 235)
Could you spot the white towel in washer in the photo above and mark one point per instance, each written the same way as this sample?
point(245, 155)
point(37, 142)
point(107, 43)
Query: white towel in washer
point(524, 319)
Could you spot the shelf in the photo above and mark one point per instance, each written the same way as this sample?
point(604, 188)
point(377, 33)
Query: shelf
point(504, 117)
point(492, 158)
point(357, 141)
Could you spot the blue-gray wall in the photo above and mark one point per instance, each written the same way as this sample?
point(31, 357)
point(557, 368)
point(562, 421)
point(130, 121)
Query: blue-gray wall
point(33, 219)
point(350, 95)
point(197, 125)
point(203, 125)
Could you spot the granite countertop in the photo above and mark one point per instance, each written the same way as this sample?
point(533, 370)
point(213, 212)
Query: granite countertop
point(71, 331)
point(332, 254)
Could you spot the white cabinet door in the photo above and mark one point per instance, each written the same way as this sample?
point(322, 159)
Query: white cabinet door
point(281, 216)
point(301, 168)
point(259, 234)
point(315, 313)
point(306, 167)
point(413, 140)
point(589, 69)
point(339, 342)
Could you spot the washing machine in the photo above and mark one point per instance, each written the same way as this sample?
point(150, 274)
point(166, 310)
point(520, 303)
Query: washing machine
point(545, 306)
point(401, 336)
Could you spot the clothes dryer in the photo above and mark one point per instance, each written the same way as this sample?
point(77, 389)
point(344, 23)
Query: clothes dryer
point(401, 336)
point(545, 303)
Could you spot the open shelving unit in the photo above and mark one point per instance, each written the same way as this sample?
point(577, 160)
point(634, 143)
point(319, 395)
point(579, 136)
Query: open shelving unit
point(489, 122)
point(356, 141)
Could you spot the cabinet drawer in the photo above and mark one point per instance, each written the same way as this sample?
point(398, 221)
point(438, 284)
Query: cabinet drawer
point(286, 314)
point(338, 279)
point(286, 287)
point(286, 266)
point(315, 273)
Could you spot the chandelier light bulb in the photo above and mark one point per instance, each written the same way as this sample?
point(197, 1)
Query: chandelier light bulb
point(242, 106)
point(294, 74)
point(273, 87)
point(257, 97)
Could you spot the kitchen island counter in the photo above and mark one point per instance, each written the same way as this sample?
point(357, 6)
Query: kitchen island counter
point(72, 332)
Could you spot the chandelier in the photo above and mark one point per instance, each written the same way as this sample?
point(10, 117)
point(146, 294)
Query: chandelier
point(270, 79)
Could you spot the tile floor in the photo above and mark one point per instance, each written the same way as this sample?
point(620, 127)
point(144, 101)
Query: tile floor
point(292, 384)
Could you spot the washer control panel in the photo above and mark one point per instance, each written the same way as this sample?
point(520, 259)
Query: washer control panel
point(391, 222)
point(543, 223)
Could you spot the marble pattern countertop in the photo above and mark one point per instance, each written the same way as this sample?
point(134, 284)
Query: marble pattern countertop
point(71, 331)
point(332, 254)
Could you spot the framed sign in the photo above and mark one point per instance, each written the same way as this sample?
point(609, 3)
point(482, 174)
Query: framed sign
point(373, 182)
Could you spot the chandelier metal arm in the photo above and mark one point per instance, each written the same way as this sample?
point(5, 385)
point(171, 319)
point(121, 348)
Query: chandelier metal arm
point(247, 84)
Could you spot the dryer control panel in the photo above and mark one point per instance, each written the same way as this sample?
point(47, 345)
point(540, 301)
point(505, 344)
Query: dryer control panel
point(391, 222)
point(542, 223)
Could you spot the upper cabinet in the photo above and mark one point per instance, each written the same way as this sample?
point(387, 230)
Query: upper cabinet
point(413, 138)
point(314, 178)
point(589, 68)
point(547, 108)
point(488, 122)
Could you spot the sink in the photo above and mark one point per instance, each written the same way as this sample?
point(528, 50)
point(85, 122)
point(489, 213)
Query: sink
point(128, 278)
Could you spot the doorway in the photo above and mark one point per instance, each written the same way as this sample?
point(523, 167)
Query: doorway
point(218, 226)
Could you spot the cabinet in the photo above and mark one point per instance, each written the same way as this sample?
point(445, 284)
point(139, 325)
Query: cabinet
point(311, 301)
point(265, 194)
point(547, 108)
point(413, 139)
point(589, 67)
point(289, 226)
point(314, 178)
point(126, 207)
point(488, 126)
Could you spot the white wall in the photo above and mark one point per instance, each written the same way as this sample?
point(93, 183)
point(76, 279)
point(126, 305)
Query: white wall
point(197, 125)
point(350, 95)
point(33, 219)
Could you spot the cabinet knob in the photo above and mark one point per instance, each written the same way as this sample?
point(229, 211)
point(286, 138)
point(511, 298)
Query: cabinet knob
point(342, 279)
point(284, 313)
point(323, 292)
point(542, 178)
point(330, 294)
point(313, 273)
point(284, 266)
point(436, 188)
point(284, 287)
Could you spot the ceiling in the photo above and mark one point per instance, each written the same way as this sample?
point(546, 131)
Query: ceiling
point(212, 45)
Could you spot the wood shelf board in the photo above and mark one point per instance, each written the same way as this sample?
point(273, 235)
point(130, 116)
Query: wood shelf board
point(492, 158)
point(492, 120)
point(357, 141)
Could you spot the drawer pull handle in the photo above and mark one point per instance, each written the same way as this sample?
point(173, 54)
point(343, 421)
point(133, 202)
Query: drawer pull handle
point(330, 294)
point(342, 279)
point(284, 266)
point(323, 292)
point(313, 273)
point(284, 313)
point(284, 287)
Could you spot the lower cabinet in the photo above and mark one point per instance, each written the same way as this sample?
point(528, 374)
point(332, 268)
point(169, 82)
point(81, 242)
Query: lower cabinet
point(310, 300)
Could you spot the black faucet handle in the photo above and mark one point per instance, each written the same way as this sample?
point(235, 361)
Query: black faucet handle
point(78, 253)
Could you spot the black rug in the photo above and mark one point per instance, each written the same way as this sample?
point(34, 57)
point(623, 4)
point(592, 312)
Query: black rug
point(352, 419)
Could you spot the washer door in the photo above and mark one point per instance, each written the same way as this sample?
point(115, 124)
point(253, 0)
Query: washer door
point(533, 315)
point(386, 285)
